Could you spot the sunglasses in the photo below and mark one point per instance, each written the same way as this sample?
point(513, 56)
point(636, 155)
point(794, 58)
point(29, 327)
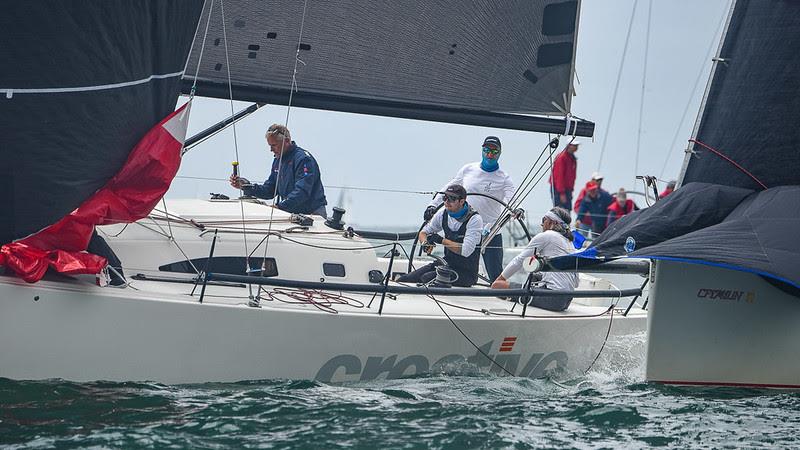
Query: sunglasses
point(491, 151)
point(451, 198)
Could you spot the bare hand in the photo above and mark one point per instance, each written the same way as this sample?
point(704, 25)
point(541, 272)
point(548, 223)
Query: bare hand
point(563, 197)
point(500, 283)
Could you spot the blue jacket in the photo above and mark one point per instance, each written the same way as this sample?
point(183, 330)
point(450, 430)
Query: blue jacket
point(299, 187)
point(597, 208)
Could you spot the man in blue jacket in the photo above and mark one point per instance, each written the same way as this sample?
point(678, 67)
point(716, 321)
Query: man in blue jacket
point(294, 179)
point(595, 204)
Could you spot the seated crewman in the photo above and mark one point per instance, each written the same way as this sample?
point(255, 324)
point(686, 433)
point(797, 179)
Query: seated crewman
point(554, 240)
point(462, 234)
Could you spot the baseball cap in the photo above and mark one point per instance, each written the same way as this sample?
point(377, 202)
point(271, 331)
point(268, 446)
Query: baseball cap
point(493, 141)
point(597, 176)
point(456, 190)
point(591, 185)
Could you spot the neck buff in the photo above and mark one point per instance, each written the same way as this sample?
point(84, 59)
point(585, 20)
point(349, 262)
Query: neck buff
point(489, 164)
point(460, 213)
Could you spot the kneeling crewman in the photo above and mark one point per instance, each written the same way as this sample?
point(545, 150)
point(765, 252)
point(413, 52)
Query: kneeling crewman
point(462, 234)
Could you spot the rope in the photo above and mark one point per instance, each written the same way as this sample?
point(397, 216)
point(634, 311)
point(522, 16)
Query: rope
point(721, 155)
point(321, 300)
point(467, 337)
point(608, 331)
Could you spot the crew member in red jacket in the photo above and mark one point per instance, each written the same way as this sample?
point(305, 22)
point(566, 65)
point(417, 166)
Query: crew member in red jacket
point(668, 190)
point(563, 178)
point(621, 207)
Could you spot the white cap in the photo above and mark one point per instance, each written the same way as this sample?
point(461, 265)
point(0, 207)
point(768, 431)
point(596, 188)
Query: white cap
point(597, 176)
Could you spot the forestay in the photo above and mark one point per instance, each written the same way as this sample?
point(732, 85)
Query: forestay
point(752, 106)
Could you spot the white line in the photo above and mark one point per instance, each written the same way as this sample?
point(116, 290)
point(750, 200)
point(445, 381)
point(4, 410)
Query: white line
point(11, 91)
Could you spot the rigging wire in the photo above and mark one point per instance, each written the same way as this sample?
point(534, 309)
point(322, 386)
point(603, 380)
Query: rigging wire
point(292, 88)
point(616, 87)
point(235, 140)
point(644, 82)
point(709, 52)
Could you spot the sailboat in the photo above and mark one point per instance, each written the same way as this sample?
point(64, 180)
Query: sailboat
point(225, 290)
point(725, 284)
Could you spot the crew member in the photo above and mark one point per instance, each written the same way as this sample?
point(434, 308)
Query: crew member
point(595, 204)
point(562, 180)
point(586, 221)
point(554, 240)
point(622, 206)
point(462, 232)
point(485, 178)
point(294, 179)
point(670, 188)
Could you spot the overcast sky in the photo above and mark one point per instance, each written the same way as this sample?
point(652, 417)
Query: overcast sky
point(386, 153)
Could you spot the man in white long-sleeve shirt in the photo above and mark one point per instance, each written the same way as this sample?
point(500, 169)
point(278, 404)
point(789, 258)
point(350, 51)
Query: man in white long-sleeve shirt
point(485, 178)
point(555, 240)
point(462, 226)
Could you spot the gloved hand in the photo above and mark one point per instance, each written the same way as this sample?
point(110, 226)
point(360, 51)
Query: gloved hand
point(429, 212)
point(518, 213)
point(427, 248)
point(434, 238)
point(239, 182)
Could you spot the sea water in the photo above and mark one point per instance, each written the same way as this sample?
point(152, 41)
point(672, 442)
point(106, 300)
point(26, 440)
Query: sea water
point(610, 406)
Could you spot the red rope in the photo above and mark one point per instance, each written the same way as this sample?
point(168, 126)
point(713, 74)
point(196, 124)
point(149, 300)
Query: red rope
point(718, 153)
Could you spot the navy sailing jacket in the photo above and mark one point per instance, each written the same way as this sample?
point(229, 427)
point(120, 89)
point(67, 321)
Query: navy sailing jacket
point(597, 208)
point(299, 187)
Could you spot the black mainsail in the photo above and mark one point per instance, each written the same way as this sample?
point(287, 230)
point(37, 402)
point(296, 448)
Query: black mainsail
point(472, 62)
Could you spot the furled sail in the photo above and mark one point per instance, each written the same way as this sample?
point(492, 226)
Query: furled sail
point(81, 83)
point(752, 107)
point(475, 62)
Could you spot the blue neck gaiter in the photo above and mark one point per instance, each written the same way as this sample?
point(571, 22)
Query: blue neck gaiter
point(460, 213)
point(489, 164)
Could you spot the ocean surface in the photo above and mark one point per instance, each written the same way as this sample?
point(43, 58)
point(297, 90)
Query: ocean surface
point(609, 407)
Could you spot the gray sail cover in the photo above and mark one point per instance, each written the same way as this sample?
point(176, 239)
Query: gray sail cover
point(500, 56)
point(81, 83)
point(711, 224)
point(752, 108)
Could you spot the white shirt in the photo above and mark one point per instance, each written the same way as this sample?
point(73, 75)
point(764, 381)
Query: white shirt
point(549, 244)
point(472, 236)
point(478, 181)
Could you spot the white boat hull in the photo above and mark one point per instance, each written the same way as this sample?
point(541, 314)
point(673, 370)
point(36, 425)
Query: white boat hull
point(81, 332)
point(715, 326)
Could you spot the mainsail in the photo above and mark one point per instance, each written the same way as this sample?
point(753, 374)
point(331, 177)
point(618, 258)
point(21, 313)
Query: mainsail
point(474, 62)
point(81, 83)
